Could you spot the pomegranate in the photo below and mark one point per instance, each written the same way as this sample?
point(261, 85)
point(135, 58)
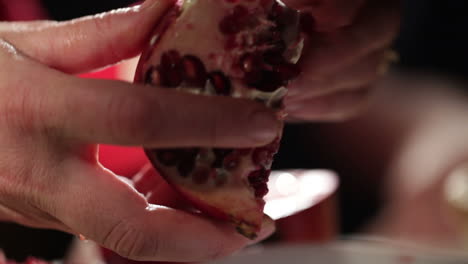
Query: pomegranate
point(238, 48)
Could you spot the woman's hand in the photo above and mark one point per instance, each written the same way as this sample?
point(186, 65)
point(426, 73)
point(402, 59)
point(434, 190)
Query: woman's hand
point(347, 51)
point(51, 121)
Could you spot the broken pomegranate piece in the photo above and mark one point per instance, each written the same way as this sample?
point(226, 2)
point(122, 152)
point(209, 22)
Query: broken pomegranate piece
point(238, 48)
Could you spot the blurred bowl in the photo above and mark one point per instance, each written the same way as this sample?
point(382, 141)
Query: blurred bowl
point(294, 191)
point(346, 252)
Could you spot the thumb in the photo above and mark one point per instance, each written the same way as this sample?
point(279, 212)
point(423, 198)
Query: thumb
point(103, 208)
point(90, 42)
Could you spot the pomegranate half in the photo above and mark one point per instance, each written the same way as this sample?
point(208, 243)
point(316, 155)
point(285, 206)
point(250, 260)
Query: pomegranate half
point(238, 48)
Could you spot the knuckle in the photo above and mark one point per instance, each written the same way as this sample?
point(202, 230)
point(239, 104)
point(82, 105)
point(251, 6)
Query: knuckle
point(130, 241)
point(18, 110)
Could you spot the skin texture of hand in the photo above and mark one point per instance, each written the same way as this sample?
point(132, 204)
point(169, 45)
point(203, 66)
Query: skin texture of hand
point(51, 121)
point(346, 52)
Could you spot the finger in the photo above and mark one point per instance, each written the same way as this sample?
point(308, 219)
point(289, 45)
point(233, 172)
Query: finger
point(334, 107)
point(104, 209)
point(329, 14)
point(374, 29)
point(361, 73)
point(87, 43)
point(113, 112)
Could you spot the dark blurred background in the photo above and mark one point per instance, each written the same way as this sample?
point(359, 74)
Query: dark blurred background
point(432, 39)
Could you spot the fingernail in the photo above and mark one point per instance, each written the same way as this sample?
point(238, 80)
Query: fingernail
point(265, 126)
point(268, 228)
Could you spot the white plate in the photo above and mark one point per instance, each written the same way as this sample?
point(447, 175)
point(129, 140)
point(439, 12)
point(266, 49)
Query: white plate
point(293, 191)
point(351, 252)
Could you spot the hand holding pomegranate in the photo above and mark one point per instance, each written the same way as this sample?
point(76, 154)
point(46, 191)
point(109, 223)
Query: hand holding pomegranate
point(346, 53)
point(51, 121)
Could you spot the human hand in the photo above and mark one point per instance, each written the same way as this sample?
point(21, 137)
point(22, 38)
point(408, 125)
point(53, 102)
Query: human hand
point(425, 178)
point(51, 121)
point(347, 52)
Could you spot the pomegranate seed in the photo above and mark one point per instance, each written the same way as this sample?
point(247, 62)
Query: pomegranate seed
point(220, 154)
point(169, 72)
point(234, 22)
point(185, 167)
point(194, 71)
point(221, 178)
point(191, 153)
point(240, 12)
point(258, 177)
point(170, 59)
point(148, 75)
point(230, 43)
point(231, 161)
point(172, 78)
point(220, 83)
point(201, 176)
point(251, 62)
point(258, 180)
point(269, 82)
point(272, 38)
point(275, 56)
point(155, 76)
point(168, 157)
point(229, 26)
point(253, 78)
point(261, 157)
point(187, 162)
point(307, 23)
point(261, 190)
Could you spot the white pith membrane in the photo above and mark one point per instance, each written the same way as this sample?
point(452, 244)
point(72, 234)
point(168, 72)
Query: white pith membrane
point(196, 32)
